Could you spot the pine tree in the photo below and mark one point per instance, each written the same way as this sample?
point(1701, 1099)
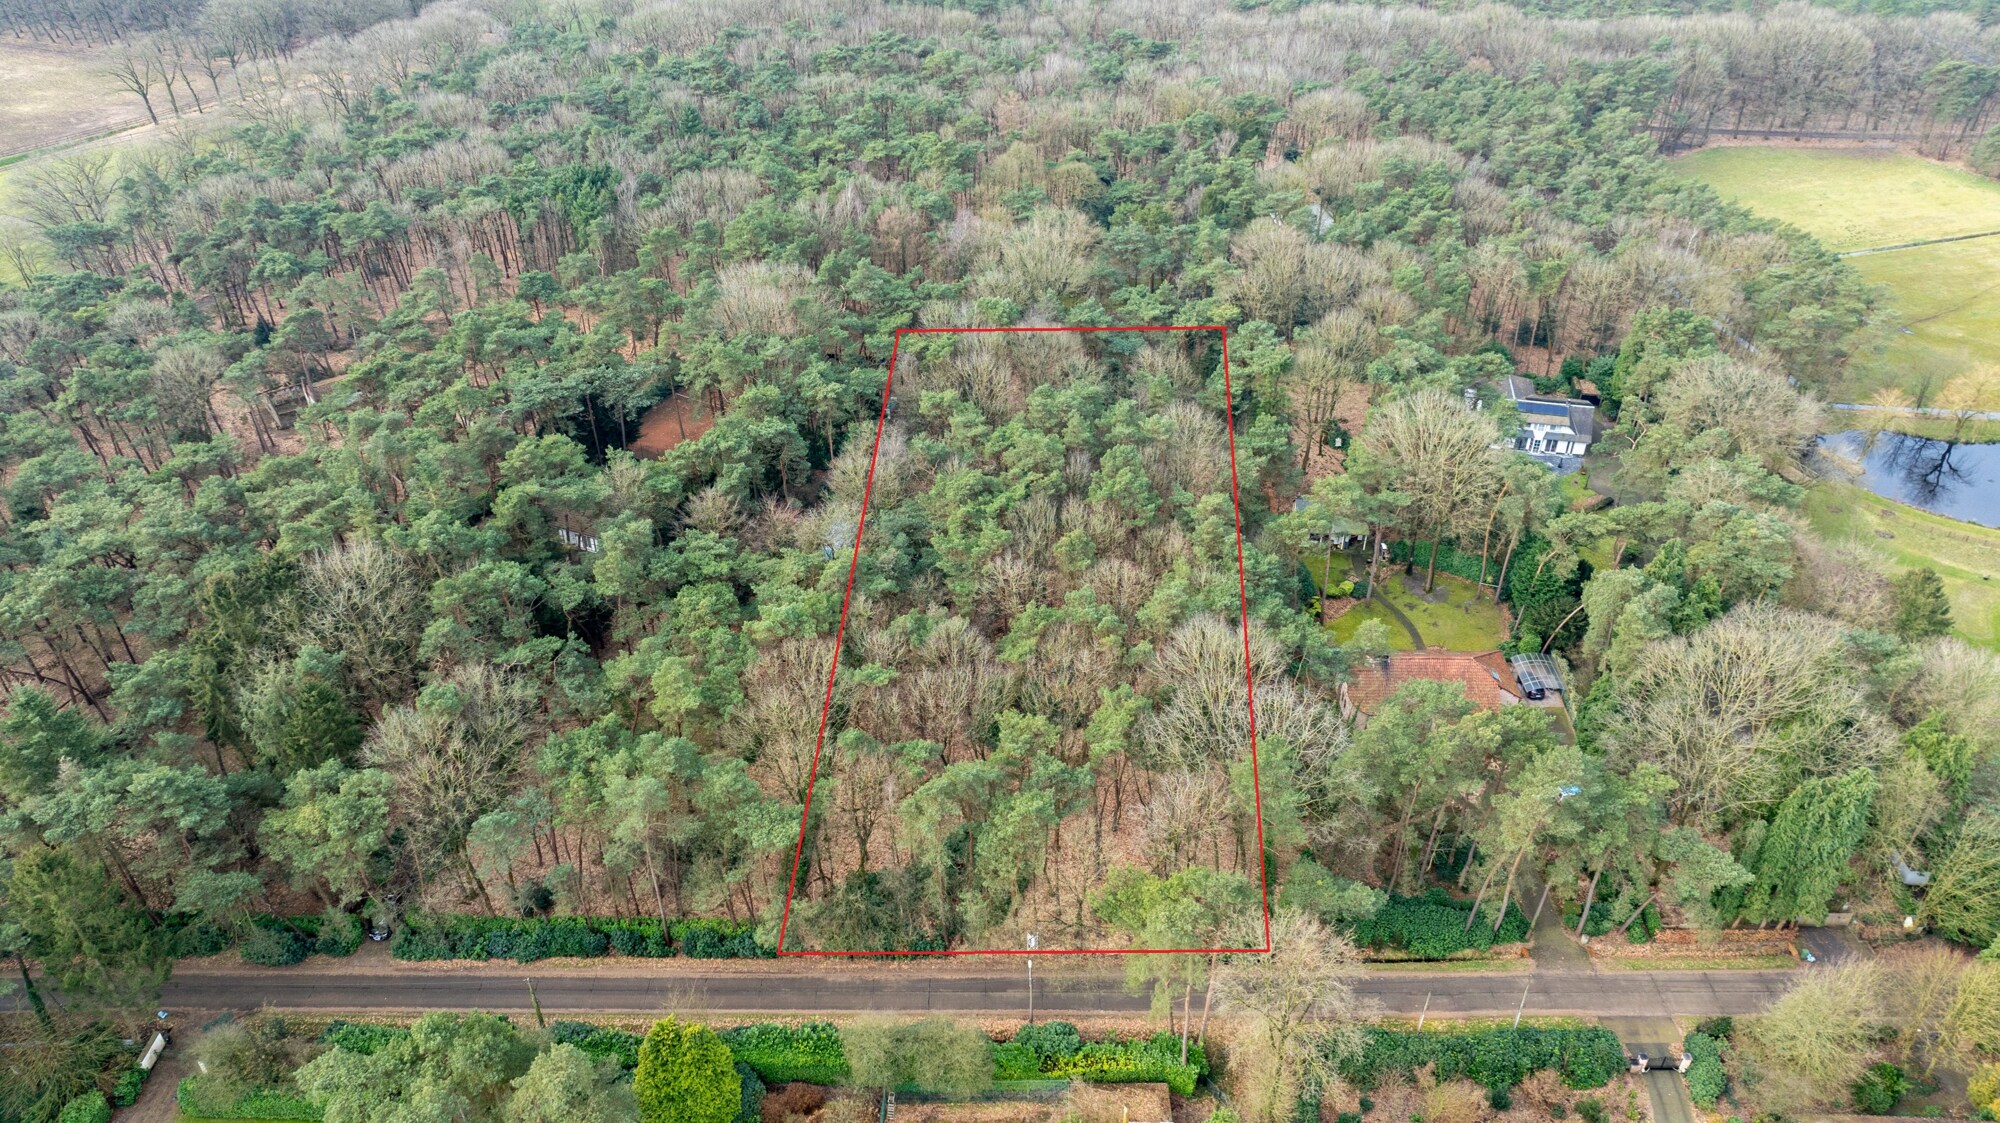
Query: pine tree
point(1922, 610)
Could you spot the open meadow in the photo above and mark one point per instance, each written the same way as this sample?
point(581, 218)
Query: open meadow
point(1940, 315)
point(1966, 556)
point(53, 94)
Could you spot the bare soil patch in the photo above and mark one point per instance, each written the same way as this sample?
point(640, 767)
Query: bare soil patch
point(679, 418)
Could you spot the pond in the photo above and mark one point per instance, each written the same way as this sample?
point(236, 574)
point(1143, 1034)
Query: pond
point(1961, 481)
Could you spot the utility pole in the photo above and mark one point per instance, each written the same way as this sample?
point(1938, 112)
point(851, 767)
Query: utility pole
point(1523, 1005)
point(1033, 943)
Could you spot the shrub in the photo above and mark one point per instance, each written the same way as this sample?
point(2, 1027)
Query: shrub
point(340, 934)
point(88, 1108)
point(1495, 1058)
point(1879, 1088)
point(198, 939)
point(1590, 1109)
point(1707, 1080)
point(429, 936)
point(1498, 1099)
point(718, 939)
point(1151, 1060)
point(130, 1083)
point(360, 1037)
point(599, 1043)
point(1433, 926)
point(274, 944)
point(1015, 1061)
point(206, 1098)
point(780, 1054)
point(751, 1107)
point(1050, 1039)
point(1722, 1028)
point(686, 1075)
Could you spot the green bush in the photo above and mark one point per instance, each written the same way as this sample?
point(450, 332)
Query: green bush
point(1151, 1060)
point(599, 1043)
point(718, 939)
point(686, 1075)
point(130, 1083)
point(1590, 1109)
point(199, 938)
point(810, 1053)
point(1433, 926)
point(88, 1108)
point(272, 943)
point(1879, 1088)
point(1015, 1061)
point(1707, 1080)
point(1050, 1039)
point(1495, 1058)
point(430, 936)
point(752, 1109)
point(360, 1037)
point(1721, 1028)
point(340, 935)
point(198, 1096)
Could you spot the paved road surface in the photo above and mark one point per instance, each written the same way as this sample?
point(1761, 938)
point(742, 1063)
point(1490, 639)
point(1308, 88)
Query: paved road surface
point(778, 990)
point(1667, 1089)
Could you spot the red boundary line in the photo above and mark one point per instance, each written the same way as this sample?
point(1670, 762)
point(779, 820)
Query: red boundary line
point(853, 565)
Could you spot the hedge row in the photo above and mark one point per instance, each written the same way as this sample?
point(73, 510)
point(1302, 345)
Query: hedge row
point(812, 1053)
point(809, 1052)
point(198, 1096)
point(269, 941)
point(430, 936)
point(1496, 1058)
point(1055, 1050)
point(1433, 926)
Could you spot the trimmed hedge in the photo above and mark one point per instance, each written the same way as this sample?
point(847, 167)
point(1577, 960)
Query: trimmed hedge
point(718, 939)
point(1495, 1058)
point(600, 1043)
point(197, 1097)
point(1433, 926)
point(810, 1053)
point(431, 936)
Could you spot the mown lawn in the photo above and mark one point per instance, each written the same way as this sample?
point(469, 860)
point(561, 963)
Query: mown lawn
point(1456, 620)
point(1966, 556)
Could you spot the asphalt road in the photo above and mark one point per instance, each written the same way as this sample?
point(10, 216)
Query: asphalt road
point(788, 990)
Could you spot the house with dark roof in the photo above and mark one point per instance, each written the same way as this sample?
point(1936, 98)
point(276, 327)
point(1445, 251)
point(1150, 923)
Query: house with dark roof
point(1554, 429)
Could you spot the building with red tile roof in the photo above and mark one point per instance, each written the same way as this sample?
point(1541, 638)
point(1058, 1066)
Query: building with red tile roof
point(1488, 681)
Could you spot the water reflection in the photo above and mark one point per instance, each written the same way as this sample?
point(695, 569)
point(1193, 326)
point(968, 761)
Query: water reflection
point(1956, 479)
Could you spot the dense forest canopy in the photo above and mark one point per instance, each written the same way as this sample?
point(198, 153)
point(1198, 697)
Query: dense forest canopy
point(428, 485)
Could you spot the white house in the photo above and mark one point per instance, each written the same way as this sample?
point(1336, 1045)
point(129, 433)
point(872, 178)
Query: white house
point(1552, 427)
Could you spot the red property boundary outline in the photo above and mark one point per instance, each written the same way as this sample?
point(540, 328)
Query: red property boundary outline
point(839, 635)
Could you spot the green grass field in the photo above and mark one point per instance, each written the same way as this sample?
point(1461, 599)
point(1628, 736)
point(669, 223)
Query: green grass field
point(1851, 200)
point(1941, 312)
point(1457, 620)
point(1966, 556)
